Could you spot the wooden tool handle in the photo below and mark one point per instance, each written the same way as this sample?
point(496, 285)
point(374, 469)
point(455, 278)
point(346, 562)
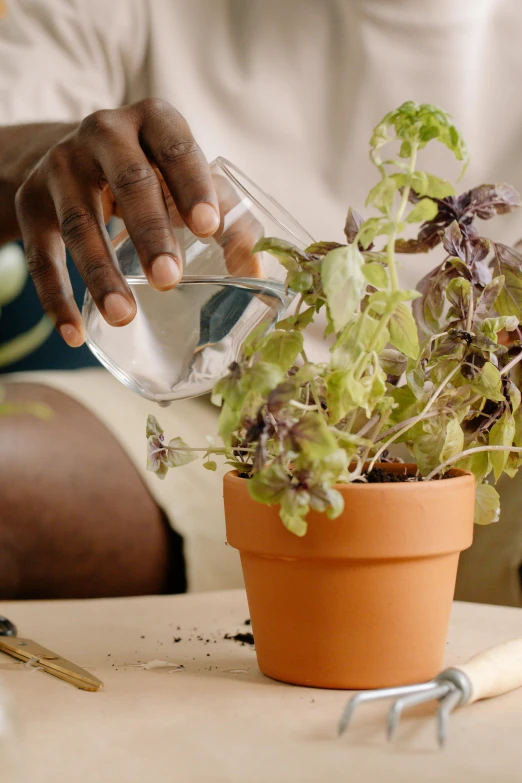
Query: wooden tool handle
point(495, 672)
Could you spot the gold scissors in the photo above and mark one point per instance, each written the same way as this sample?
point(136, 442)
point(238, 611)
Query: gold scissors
point(27, 650)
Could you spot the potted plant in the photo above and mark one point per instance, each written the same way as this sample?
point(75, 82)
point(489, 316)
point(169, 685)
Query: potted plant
point(349, 556)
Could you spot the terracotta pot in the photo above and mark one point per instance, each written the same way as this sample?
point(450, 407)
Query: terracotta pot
point(362, 601)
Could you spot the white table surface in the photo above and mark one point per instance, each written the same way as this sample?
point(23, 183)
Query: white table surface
point(219, 719)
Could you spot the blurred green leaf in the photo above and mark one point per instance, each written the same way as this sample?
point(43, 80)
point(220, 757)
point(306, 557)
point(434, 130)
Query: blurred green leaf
point(487, 505)
point(343, 283)
point(13, 273)
point(282, 348)
point(488, 383)
point(25, 344)
point(502, 434)
point(179, 453)
point(403, 331)
point(425, 209)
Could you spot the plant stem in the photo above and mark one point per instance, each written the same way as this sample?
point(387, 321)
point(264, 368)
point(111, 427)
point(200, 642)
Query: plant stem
point(466, 453)
point(313, 388)
point(348, 427)
point(469, 320)
point(380, 423)
point(416, 419)
point(511, 364)
point(392, 265)
point(302, 406)
point(369, 424)
point(407, 422)
point(390, 248)
point(208, 449)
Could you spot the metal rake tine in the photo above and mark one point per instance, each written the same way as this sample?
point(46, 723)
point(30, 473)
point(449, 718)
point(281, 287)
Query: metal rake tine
point(447, 705)
point(434, 691)
point(376, 695)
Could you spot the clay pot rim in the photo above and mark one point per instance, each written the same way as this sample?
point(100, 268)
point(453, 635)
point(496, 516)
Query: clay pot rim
point(459, 477)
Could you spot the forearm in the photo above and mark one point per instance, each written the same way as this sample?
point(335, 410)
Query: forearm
point(21, 147)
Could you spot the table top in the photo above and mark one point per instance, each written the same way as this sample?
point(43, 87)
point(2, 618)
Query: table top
point(218, 719)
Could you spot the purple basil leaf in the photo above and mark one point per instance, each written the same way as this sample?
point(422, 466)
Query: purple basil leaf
point(353, 223)
point(454, 243)
point(322, 248)
point(481, 274)
point(508, 262)
point(411, 246)
point(460, 266)
point(261, 455)
point(429, 308)
point(479, 249)
point(281, 396)
point(490, 200)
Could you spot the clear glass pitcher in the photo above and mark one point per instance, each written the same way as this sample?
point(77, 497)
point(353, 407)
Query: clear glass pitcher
point(181, 342)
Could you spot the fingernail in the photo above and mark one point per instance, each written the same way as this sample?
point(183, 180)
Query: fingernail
point(204, 219)
point(117, 308)
point(71, 335)
point(165, 272)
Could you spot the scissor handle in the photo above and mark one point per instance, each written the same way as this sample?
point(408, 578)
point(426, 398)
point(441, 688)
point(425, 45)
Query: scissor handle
point(7, 628)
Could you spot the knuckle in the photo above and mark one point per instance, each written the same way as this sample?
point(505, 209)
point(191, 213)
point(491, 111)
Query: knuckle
point(24, 196)
point(51, 297)
point(57, 159)
point(39, 264)
point(96, 272)
point(155, 106)
point(150, 229)
point(178, 153)
point(76, 223)
point(131, 177)
point(47, 283)
point(99, 123)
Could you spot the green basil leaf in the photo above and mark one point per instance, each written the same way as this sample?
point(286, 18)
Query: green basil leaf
point(488, 383)
point(300, 321)
point(262, 377)
point(479, 463)
point(269, 485)
point(295, 506)
point(492, 326)
point(343, 283)
point(322, 248)
point(179, 453)
point(376, 275)
point(287, 254)
point(382, 195)
point(487, 505)
point(153, 426)
point(437, 188)
point(508, 262)
point(403, 331)
point(424, 210)
point(300, 281)
point(282, 348)
point(371, 228)
point(454, 441)
point(312, 437)
point(502, 434)
point(393, 362)
point(428, 446)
